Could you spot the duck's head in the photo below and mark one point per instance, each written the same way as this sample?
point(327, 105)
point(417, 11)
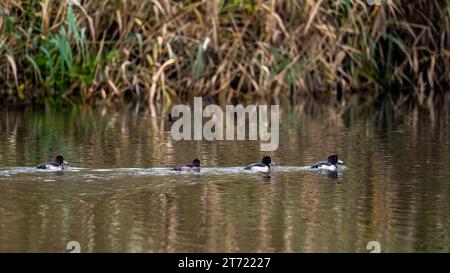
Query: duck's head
point(60, 159)
point(266, 160)
point(196, 162)
point(333, 159)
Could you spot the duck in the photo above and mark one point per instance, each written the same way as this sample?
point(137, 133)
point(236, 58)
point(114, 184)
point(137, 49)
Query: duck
point(57, 164)
point(263, 166)
point(331, 164)
point(192, 167)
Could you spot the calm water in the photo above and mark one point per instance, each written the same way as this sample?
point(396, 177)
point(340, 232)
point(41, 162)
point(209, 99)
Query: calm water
point(118, 196)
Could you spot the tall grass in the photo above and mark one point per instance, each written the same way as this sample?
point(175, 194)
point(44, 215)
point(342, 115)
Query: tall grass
point(165, 51)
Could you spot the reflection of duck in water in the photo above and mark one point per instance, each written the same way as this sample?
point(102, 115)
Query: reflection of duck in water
point(263, 166)
point(330, 165)
point(57, 164)
point(193, 167)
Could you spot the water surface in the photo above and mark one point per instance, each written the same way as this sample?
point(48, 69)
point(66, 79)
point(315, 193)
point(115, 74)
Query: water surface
point(119, 194)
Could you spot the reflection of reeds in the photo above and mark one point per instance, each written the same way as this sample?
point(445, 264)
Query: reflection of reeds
point(165, 51)
point(393, 191)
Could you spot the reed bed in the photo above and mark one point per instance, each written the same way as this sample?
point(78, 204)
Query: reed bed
point(161, 52)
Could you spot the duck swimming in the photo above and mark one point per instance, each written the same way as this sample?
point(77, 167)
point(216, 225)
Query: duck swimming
point(193, 167)
point(331, 164)
point(57, 164)
point(263, 166)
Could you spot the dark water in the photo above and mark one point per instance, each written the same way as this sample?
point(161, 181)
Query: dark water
point(118, 196)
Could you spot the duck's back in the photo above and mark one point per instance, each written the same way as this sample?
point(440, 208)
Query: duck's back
point(187, 168)
point(324, 165)
point(320, 164)
point(257, 167)
point(49, 166)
